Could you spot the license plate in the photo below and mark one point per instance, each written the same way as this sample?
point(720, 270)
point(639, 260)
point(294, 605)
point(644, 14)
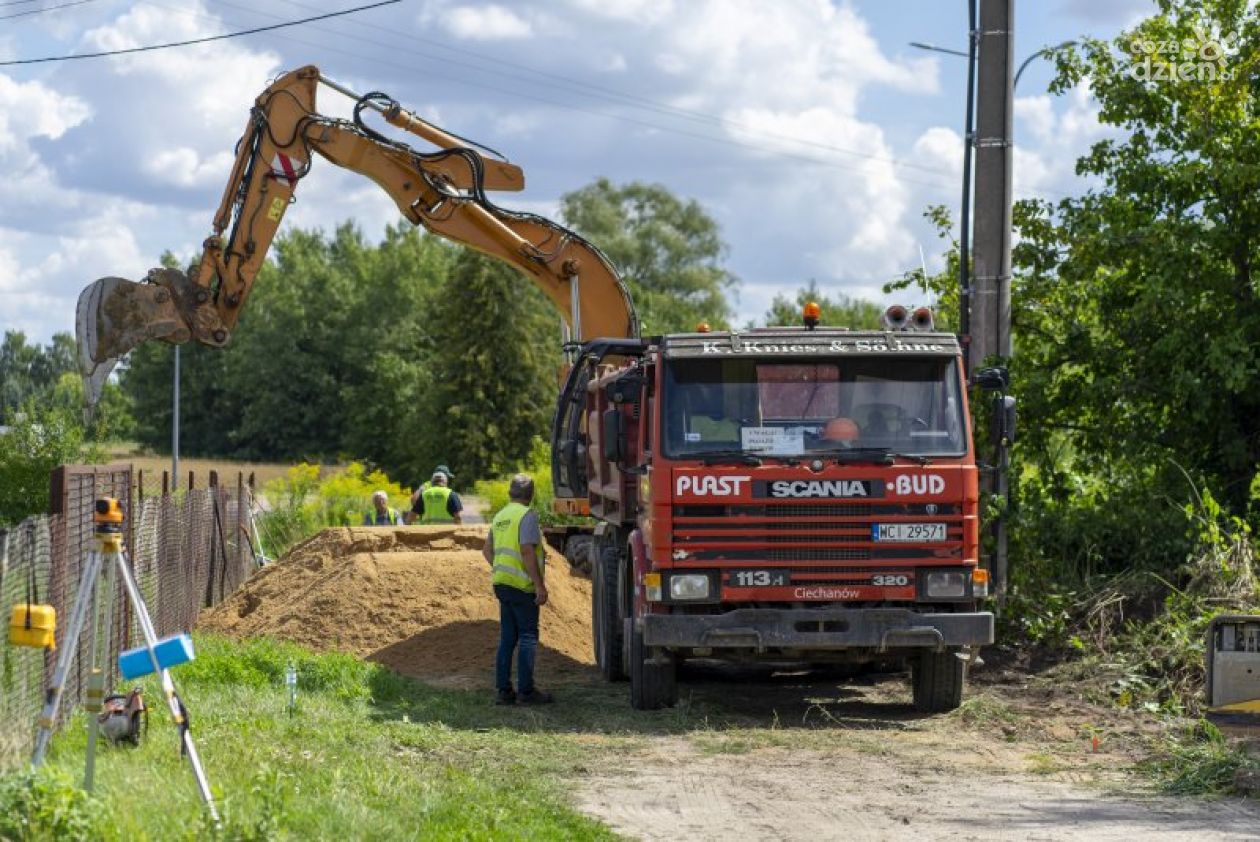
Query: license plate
point(757, 578)
point(907, 532)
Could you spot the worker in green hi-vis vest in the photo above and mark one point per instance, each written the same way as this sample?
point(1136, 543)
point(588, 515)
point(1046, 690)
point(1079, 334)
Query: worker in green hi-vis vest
point(515, 555)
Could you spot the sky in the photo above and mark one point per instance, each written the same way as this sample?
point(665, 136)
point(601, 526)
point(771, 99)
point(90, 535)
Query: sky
point(809, 129)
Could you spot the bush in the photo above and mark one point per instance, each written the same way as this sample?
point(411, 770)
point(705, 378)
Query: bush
point(495, 491)
point(46, 805)
point(40, 440)
point(302, 503)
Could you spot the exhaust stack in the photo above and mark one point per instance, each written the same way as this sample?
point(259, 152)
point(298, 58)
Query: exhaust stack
point(896, 317)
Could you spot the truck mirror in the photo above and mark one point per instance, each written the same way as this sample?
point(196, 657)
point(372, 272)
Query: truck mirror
point(613, 441)
point(995, 379)
point(1004, 418)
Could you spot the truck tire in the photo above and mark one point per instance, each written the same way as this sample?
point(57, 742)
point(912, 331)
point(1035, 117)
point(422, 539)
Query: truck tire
point(653, 675)
point(938, 681)
point(605, 616)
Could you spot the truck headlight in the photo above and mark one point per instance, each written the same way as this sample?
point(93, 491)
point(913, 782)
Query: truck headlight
point(945, 584)
point(689, 586)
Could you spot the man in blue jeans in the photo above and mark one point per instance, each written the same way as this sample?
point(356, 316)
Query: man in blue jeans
point(514, 552)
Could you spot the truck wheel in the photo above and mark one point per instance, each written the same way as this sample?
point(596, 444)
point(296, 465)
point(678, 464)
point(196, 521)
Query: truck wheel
point(605, 617)
point(653, 675)
point(938, 681)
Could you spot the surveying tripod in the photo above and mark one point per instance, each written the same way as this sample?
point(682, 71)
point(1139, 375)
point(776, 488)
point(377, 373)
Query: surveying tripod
point(108, 557)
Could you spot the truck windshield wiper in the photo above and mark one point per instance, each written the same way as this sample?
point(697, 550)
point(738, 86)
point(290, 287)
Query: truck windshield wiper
point(739, 457)
point(874, 454)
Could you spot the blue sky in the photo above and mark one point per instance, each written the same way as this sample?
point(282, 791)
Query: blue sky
point(808, 128)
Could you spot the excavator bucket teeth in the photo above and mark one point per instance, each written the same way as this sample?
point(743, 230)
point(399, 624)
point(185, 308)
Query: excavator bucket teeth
point(114, 316)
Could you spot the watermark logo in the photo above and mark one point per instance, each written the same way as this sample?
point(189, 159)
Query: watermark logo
point(1203, 58)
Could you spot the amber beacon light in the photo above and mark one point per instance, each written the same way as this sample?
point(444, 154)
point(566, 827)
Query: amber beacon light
point(811, 314)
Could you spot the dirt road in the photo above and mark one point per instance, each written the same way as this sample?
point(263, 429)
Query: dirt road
point(851, 761)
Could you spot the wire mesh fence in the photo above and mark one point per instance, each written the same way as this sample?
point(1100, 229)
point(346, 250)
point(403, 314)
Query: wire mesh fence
point(188, 549)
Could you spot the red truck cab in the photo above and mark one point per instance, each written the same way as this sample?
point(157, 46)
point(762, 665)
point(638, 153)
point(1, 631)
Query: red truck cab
point(779, 495)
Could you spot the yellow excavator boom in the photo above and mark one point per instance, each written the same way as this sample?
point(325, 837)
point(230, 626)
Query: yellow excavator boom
point(444, 190)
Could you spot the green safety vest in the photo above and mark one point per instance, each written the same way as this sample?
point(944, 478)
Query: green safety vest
point(392, 513)
point(435, 499)
point(508, 565)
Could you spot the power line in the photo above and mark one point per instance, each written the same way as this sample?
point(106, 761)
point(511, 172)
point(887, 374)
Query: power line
point(45, 9)
point(633, 100)
point(199, 40)
point(17, 2)
point(726, 141)
point(567, 106)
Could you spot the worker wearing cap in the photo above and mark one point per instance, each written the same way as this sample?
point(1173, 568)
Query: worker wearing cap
point(381, 514)
point(515, 555)
point(417, 508)
point(438, 503)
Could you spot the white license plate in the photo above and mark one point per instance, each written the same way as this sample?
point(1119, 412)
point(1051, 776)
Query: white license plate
point(908, 532)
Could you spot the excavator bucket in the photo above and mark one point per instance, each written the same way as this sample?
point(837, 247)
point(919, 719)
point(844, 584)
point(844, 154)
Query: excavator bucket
point(115, 315)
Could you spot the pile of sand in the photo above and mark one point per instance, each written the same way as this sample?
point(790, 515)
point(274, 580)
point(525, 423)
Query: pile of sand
point(416, 599)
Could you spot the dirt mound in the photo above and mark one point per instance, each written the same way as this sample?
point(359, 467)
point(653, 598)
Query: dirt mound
point(417, 599)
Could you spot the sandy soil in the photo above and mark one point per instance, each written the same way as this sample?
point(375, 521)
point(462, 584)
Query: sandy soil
point(852, 761)
point(417, 599)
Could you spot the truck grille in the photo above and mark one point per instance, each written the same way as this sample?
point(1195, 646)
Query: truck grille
point(815, 534)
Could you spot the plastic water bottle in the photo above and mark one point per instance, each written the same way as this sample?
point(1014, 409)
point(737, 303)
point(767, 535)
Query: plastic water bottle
point(290, 682)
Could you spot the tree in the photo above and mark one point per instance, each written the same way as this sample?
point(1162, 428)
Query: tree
point(40, 439)
point(668, 251)
point(494, 370)
point(329, 358)
point(841, 311)
point(1139, 315)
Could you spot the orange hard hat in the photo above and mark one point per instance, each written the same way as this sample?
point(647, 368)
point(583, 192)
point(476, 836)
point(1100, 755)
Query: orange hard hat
point(840, 429)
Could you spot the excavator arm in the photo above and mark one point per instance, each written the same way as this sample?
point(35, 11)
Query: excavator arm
point(443, 190)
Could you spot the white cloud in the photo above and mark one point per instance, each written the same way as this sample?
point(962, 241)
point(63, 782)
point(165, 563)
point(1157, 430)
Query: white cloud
point(488, 23)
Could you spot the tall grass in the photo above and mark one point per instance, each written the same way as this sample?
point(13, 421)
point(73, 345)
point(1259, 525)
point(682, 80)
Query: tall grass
point(363, 756)
point(302, 503)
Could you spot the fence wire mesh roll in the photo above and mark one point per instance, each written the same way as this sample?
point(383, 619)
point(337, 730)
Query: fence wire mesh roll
point(188, 550)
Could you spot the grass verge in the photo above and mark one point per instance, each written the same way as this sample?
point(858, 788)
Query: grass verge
point(366, 756)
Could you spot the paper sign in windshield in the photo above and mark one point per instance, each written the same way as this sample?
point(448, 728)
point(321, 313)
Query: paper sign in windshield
point(773, 440)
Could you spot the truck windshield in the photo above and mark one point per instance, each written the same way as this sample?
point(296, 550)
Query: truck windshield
point(793, 407)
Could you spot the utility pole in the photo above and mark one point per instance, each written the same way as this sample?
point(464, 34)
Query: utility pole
point(991, 238)
point(991, 243)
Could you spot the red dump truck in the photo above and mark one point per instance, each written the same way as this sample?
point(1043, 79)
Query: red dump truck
point(788, 495)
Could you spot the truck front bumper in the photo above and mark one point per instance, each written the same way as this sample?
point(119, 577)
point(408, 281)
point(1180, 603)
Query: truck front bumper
point(761, 629)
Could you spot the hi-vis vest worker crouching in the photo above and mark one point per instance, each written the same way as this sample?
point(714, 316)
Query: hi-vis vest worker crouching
point(382, 514)
point(515, 555)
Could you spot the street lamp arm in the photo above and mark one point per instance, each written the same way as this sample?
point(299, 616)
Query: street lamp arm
point(1043, 51)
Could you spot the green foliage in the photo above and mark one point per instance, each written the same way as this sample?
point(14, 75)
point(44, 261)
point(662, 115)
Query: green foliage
point(1139, 296)
point(329, 356)
point(39, 440)
point(48, 376)
point(46, 805)
point(840, 311)
point(668, 251)
point(493, 367)
point(302, 503)
point(538, 466)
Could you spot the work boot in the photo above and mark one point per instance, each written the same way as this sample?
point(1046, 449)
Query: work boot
point(536, 697)
point(505, 697)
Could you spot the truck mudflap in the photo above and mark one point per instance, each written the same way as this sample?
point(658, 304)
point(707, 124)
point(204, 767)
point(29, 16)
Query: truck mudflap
point(761, 629)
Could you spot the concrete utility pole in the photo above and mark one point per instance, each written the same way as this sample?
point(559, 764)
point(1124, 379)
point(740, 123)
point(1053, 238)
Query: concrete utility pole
point(991, 238)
